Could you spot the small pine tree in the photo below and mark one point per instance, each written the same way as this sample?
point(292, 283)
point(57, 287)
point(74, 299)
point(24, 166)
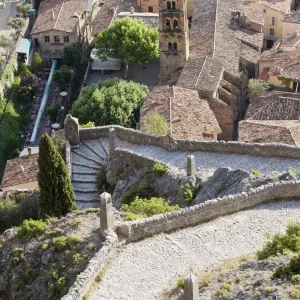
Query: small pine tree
point(56, 192)
point(37, 63)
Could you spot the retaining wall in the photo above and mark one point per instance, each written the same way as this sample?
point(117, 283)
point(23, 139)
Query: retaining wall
point(99, 262)
point(165, 142)
point(208, 210)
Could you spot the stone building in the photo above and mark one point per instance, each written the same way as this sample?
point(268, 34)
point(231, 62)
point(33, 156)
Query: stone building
point(173, 36)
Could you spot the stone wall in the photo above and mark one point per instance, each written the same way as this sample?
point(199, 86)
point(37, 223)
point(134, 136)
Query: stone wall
point(98, 263)
point(208, 210)
point(137, 137)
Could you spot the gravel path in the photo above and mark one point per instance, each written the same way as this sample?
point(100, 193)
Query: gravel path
point(143, 269)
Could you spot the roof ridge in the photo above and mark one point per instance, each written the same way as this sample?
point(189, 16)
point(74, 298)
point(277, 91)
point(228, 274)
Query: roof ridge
point(251, 118)
point(59, 14)
point(201, 70)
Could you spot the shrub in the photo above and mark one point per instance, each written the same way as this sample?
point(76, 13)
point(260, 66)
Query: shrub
point(256, 173)
point(156, 124)
point(32, 228)
point(129, 216)
point(149, 207)
point(293, 170)
point(159, 169)
point(295, 292)
point(62, 242)
point(52, 111)
point(188, 193)
point(57, 289)
point(136, 190)
point(87, 125)
point(29, 275)
point(287, 271)
point(57, 231)
point(224, 291)
point(256, 87)
point(180, 283)
point(18, 255)
point(100, 275)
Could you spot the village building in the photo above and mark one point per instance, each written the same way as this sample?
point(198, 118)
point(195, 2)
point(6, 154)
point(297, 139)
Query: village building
point(188, 116)
point(291, 23)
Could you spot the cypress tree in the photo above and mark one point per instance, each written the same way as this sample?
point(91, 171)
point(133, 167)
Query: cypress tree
point(56, 191)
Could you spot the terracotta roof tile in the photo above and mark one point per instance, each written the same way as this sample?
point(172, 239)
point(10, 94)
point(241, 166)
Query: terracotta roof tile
point(292, 17)
point(279, 5)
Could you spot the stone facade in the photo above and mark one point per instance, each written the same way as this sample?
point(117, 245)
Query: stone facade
point(173, 36)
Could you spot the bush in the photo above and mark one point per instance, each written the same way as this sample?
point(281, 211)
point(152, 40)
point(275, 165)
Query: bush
point(256, 173)
point(32, 228)
point(57, 289)
point(281, 243)
point(188, 193)
point(136, 190)
point(87, 125)
point(63, 77)
point(52, 111)
point(149, 207)
point(180, 283)
point(287, 271)
point(129, 216)
point(256, 87)
point(156, 124)
point(224, 291)
point(62, 242)
point(159, 169)
point(295, 292)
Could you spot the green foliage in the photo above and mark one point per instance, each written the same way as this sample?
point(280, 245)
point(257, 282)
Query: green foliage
point(86, 296)
point(31, 228)
point(156, 124)
point(100, 275)
point(130, 40)
point(295, 292)
point(112, 101)
point(5, 44)
point(17, 24)
point(57, 289)
point(159, 169)
point(129, 216)
point(63, 77)
point(101, 180)
point(52, 111)
point(71, 55)
point(281, 243)
point(180, 283)
point(296, 279)
point(287, 271)
point(188, 193)
point(24, 71)
point(18, 255)
point(14, 209)
point(256, 173)
point(224, 291)
point(37, 64)
point(285, 81)
point(136, 190)
point(293, 170)
point(63, 242)
point(256, 87)
point(57, 231)
point(60, 145)
point(29, 275)
point(150, 207)
point(87, 125)
point(56, 191)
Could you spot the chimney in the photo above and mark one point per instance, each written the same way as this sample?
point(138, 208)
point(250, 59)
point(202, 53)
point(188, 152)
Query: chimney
point(131, 10)
point(53, 15)
point(29, 151)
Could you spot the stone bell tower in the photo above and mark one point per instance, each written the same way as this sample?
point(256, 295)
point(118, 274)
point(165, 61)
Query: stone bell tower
point(173, 36)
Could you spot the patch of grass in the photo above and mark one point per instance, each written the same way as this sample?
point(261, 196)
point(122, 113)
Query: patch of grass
point(18, 255)
point(159, 169)
point(256, 173)
point(129, 216)
point(256, 294)
point(295, 292)
point(57, 231)
point(31, 228)
point(92, 246)
point(100, 275)
point(45, 246)
point(29, 275)
point(57, 289)
point(86, 296)
point(224, 291)
point(136, 190)
point(62, 242)
point(188, 193)
point(180, 283)
point(270, 289)
point(296, 279)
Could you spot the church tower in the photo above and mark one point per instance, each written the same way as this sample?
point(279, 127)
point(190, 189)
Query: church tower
point(173, 36)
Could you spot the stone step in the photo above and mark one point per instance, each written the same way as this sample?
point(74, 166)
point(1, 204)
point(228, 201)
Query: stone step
point(87, 204)
point(106, 150)
point(83, 161)
point(84, 177)
point(95, 149)
point(105, 145)
point(86, 154)
point(78, 168)
point(85, 197)
point(85, 187)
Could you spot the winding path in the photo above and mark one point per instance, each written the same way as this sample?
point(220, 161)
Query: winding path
point(144, 269)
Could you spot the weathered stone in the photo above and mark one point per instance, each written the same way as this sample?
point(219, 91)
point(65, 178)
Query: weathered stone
point(112, 140)
point(191, 165)
point(72, 130)
point(191, 290)
point(107, 218)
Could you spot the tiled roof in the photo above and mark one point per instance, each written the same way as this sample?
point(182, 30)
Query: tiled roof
point(58, 15)
point(150, 19)
point(250, 37)
point(279, 5)
point(105, 16)
point(291, 40)
point(291, 69)
point(249, 53)
point(183, 109)
point(292, 17)
point(275, 107)
point(20, 170)
point(203, 73)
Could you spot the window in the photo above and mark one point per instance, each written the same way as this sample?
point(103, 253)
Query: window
point(56, 39)
point(170, 48)
point(273, 21)
point(272, 31)
point(47, 38)
point(173, 5)
point(175, 23)
point(66, 39)
point(168, 23)
point(168, 5)
point(264, 11)
point(150, 9)
point(175, 46)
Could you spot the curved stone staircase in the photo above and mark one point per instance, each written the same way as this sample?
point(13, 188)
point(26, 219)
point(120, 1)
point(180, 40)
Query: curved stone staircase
point(87, 160)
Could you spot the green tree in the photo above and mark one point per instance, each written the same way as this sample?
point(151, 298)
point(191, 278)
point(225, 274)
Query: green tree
point(256, 87)
point(17, 24)
point(156, 124)
point(37, 63)
point(56, 192)
point(130, 40)
point(5, 44)
point(24, 71)
point(52, 111)
point(71, 55)
point(113, 101)
point(22, 7)
point(63, 77)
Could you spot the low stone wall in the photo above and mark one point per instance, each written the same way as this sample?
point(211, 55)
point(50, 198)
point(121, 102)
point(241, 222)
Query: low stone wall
point(86, 278)
point(68, 158)
point(208, 210)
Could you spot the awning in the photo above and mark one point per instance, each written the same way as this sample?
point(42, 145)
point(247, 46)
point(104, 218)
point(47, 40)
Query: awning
point(24, 46)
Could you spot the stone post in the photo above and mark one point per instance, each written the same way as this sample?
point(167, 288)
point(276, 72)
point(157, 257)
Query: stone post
point(191, 289)
point(72, 130)
point(112, 140)
point(107, 218)
point(191, 165)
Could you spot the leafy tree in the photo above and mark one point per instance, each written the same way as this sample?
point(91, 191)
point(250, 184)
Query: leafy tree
point(156, 124)
point(30, 80)
point(113, 101)
point(130, 40)
point(63, 77)
point(22, 7)
point(5, 44)
point(37, 63)
point(52, 111)
point(24, 71)
point(256, 87)
point(71, 55)
point(56, 192)
point(17, 24)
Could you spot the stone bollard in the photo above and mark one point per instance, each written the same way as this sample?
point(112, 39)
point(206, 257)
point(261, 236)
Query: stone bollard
point(191, 289)
point(107, 218)
point(71, 127)
point(191, 165)
point(112, 140)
